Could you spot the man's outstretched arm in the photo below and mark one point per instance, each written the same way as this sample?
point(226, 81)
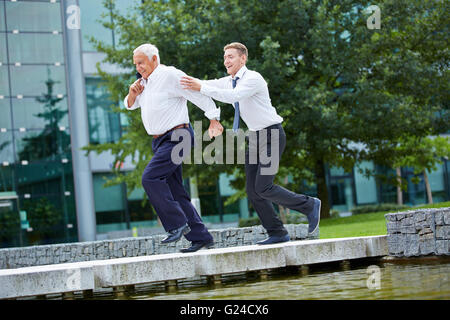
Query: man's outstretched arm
point(207, 105)
point(246, 88)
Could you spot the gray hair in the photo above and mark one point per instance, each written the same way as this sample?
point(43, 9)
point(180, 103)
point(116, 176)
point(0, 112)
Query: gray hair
point(149, 50)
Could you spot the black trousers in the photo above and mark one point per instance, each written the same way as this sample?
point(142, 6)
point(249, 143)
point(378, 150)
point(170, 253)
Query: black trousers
point(163, 183)
point(269, 144)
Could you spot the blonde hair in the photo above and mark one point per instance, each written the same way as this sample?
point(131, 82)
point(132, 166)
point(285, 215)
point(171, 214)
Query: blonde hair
point(239, 47)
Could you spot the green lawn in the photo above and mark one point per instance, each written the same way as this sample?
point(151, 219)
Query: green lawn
point(365, 224)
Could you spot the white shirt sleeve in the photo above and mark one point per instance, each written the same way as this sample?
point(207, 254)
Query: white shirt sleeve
point(217, 83)
point(244, 89)
point(203, 102)
point(135, 105)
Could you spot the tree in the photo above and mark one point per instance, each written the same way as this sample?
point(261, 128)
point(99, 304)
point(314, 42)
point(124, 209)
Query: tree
point(360, 92)
point(346, 93)
point(427, 152)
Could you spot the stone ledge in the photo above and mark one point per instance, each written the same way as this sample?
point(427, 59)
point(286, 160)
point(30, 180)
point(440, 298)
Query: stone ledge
point(92, 275)
point(40, 280)
point(132, 247)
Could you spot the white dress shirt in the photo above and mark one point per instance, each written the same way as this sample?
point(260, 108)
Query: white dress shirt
point(251, 92)
point(163, 102)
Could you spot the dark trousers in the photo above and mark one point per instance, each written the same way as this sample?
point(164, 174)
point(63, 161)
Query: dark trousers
point(261, 190)
point(163, 183)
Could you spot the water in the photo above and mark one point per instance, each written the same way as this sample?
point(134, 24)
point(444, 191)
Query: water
point(413, 278)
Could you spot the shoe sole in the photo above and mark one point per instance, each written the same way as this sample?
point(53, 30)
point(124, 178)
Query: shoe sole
point(318, 222)
point(262, 244)
point(208, 246)
point(183, 233)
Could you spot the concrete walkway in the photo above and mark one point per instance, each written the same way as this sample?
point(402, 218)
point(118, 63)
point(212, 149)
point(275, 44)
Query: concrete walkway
point(92, 275)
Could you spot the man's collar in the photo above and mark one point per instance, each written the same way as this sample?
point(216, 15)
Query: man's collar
point(241, 72)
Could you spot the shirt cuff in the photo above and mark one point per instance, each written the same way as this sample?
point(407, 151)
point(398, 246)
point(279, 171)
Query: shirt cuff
point(134, 106)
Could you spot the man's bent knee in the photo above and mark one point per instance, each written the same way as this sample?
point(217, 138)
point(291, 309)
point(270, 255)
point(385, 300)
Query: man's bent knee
point(264, 191)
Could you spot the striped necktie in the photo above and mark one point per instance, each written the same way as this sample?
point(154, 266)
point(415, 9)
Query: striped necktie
point(236, 109)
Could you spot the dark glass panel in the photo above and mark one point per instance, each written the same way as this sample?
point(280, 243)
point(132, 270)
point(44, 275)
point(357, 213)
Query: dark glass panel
point(104, 124)
point(46, 144)
point(30, 113)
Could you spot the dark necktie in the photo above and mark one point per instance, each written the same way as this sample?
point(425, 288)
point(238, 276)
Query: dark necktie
point(236, 109)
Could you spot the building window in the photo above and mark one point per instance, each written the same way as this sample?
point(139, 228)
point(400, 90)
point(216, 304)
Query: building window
point(91, 12)
point(341, 189)
point(29, 48)
point(31, 80)
point(365, 187)
point(104, 124)
point(30, 16)
point(109, 205)
point(141, 215)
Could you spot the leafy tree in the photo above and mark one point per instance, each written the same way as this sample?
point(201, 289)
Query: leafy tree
point(427, 152)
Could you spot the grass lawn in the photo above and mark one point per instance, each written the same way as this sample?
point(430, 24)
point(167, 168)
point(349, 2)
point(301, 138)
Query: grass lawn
point(365, 224)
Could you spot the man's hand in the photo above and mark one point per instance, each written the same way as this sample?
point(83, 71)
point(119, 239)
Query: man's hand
point(190, 83)
point(135, 89)
point(215, 128)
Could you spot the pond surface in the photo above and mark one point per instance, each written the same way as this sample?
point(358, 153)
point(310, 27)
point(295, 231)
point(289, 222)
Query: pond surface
point(413, 278)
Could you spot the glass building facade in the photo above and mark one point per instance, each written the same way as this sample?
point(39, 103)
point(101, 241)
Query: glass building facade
point(35, 136)
point(38, 204)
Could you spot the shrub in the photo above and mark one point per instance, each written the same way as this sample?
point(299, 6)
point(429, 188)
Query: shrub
point(378, 208)
point(248, 222)
point(291, 218)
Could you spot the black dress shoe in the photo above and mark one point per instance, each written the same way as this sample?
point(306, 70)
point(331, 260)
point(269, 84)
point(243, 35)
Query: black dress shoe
point(314, 217)
point(197, 246)
point(176, 234)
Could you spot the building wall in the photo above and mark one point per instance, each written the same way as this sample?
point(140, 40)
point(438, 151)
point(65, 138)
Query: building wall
point(35, 150)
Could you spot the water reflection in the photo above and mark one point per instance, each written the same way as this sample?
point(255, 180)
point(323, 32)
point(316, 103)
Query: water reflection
point(419, 279)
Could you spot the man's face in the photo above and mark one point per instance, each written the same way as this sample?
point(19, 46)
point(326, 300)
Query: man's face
point(144, 65)
point(233, 61)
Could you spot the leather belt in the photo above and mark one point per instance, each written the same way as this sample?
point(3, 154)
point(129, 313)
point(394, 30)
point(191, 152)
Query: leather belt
point(184, 125)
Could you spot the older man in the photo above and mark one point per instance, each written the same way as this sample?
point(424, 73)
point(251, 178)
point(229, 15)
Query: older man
point(247, 91)
point(163, 106)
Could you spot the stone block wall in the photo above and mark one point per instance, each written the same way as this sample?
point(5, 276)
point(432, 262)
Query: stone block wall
point(419, 232)
point(131, 247)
